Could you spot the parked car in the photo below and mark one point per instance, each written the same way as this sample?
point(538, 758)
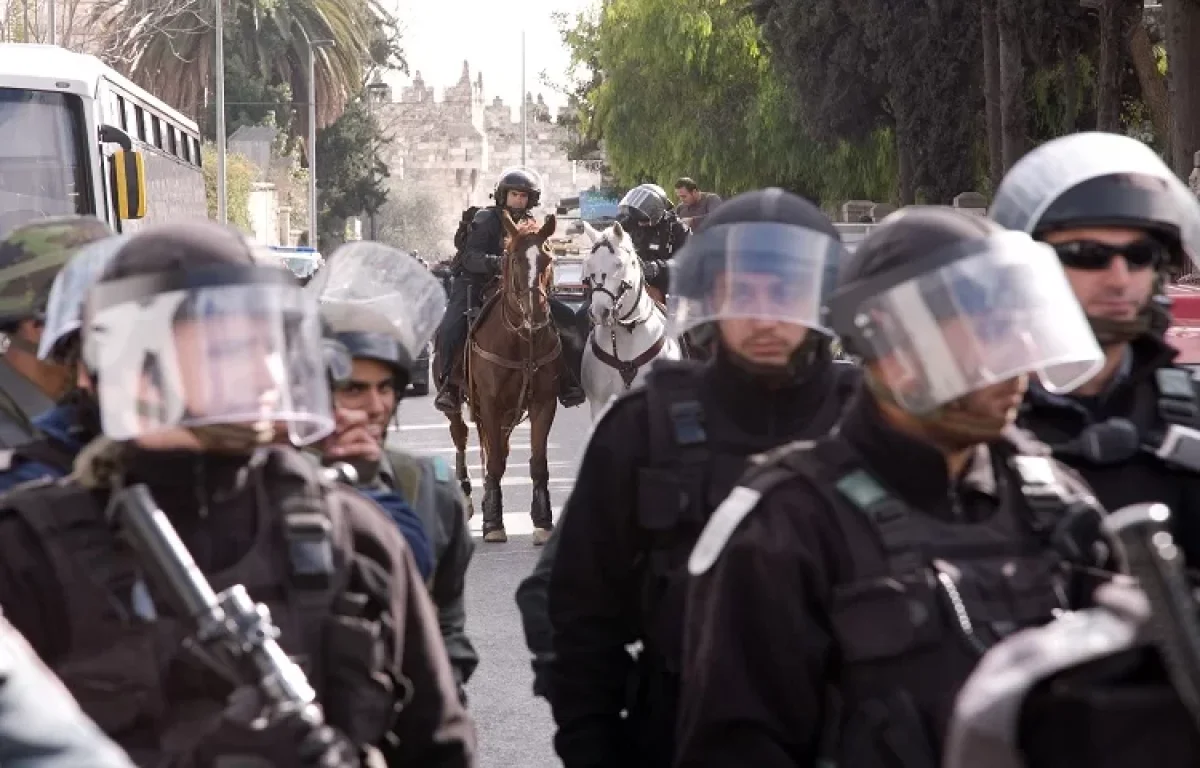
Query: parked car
point(1184, 333)
point(568, 282)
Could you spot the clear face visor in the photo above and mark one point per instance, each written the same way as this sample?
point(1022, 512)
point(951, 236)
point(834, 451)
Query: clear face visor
point(762, 271)
point(201, 356)
point(644, 202)
point(985, 319)
point(388, 282)
point(64, 305)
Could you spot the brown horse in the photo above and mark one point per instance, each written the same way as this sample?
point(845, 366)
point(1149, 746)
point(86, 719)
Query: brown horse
point(511, 372)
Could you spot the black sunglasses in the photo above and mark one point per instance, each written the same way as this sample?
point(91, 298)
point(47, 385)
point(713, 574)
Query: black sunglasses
point(1090, 255)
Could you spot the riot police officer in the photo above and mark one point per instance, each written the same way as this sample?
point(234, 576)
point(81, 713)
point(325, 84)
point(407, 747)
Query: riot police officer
point(658, 234)
point(41, 726)
point(383, 310)
point(202, 364)
point(1118, 219)
point(871, 567)
point(662, 457)
point(518, 191)
point(30, 257)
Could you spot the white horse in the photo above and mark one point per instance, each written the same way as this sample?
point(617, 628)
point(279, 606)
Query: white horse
point(629, 329)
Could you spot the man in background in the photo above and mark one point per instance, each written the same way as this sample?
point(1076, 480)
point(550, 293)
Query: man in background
point(694, 205)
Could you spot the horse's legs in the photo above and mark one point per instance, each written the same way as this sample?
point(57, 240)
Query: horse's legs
point(541, 419)
point(459, 432)
point(493, 448)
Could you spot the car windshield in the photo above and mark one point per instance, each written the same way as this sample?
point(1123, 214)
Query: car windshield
point(41, 171)
point(570, 272)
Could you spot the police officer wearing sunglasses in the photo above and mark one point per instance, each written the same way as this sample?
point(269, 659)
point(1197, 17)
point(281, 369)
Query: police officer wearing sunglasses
point(1118, 219)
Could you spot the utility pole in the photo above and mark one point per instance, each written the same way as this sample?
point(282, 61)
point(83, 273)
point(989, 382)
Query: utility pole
point(50, 17)
point(524, 109)
point(313, 45)
point(222, 200)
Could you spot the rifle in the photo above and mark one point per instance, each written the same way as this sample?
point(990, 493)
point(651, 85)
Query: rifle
point(1149, 554)
point(229, 625)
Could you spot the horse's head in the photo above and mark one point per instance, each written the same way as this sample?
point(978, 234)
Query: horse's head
point(612, 270)
point(528, 266)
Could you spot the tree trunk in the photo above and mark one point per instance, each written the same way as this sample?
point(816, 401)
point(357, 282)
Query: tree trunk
point(991, 90)
point(1153, 84)
point(1183, 81)
point(1109, 66)
point(1012, 83)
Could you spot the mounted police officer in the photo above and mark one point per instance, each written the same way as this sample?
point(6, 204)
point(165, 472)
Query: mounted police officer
point(202, 364)
point(518, 191)
point(383, 310)
point(661, 459)
point(872, 567)
point(30, 257)
point(658, 234)
point(41, 726)
point(1118, 219)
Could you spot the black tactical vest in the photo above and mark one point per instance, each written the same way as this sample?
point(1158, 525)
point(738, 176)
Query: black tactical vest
point(126, 665)
point(691, 469)
point(928, 596)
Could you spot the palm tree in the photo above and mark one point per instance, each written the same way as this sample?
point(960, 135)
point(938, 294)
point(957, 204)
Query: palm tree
point(167, 47)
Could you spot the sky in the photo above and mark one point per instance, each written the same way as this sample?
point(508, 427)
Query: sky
point(439, 34)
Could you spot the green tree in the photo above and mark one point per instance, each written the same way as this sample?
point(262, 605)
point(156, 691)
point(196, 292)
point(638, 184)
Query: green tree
point(239, 179)
point(686, 86)
point(351, 177)
point(167, 47)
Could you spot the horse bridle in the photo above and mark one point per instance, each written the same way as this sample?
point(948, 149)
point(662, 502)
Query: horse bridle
point(526, 322)
point(622, 290)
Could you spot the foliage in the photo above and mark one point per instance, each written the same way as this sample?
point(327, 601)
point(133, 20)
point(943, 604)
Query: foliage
point(409, 220)
point(677, 87)
point(351, 177)
point(240, 174)
point(167, 46)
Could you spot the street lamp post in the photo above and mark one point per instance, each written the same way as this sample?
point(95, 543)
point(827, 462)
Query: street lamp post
point(222, 194)
point(375, 91)
point(313, 45)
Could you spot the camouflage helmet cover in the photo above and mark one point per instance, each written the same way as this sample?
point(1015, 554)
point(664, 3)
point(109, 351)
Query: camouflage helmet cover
point(32, 256)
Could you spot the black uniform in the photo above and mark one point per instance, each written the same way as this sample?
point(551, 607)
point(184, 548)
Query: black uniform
point(656, 245)
point(1152, 395)
point(41, 726)
point(658, 463)
point(864, 573)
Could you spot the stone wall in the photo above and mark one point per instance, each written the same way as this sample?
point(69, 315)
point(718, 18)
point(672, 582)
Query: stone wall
point(453, 149)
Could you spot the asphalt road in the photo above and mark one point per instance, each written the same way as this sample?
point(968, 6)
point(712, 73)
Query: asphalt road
point(515, 729)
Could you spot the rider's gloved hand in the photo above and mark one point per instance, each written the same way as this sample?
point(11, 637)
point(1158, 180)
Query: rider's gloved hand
point(494, 263)
point(651, 269)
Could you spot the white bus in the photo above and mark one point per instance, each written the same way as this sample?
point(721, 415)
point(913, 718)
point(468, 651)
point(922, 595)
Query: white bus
point(78, 137)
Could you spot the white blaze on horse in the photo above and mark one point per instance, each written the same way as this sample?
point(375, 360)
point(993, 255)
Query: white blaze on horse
point(629, 328)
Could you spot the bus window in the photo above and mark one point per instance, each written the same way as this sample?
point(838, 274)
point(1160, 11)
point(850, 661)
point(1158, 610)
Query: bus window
point(43, 168)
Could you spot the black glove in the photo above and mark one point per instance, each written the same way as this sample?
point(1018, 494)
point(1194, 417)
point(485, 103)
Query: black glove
point(493, 263)
point(651, 269)
point(324, 747)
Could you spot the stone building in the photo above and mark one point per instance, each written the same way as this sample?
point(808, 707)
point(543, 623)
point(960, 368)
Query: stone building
point(452, 150)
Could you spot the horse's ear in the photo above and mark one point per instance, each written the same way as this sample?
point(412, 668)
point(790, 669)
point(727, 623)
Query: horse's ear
point(618, 231)
point(593, 234)
point(510, 226)
point(548, 227)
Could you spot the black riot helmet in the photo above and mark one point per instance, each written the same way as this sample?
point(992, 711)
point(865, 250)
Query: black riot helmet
point(367, 334)
point(766, 254)
point(645, 203)
point(956, 303)
point(1137, 201)
point(518, 180)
